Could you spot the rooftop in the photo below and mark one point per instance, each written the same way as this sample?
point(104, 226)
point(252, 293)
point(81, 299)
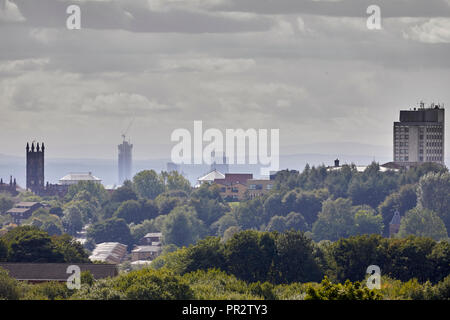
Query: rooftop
point(55, 271)
point(80, 176)
point(212, 176)
point(146, 249)
point(153, 235)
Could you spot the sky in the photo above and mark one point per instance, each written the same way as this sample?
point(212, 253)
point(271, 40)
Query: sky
point(310, 68)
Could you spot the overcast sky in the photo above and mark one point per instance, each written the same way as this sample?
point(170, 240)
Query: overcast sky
point(310, 68)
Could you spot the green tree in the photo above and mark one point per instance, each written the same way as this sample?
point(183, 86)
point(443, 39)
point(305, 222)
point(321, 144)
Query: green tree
point(433, 194)
point(206, 254)
point(250, 214)
point(309, 203)
point(72, 220)
point(277, 223)
point(94, 190)
point(348, 291)
point(443, 289)
point(408, 258)
point(403, 200)
point(130, 211)
point(111, 230)
point(367, 222)
point(226, 221)
point(295, 259)
point(230, 232)
point(296, 221)
point(440, 259)
point(124, 193)
point(422, 223)
point(208, 210)
point(52, 228)
point(133, 211)
point(3, 251)
point(351, 256)
point(87, 208)
point(72, 250)
point(176, 181)
point(182, 227)
point(335, 221)
point(6, 202)
point(9, 287)
point(250, 254)
point(148, 284)
point(372, 186)
point(29, 244)
point(148, 184)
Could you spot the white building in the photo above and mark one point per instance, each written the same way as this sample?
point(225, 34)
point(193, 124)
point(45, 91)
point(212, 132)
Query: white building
point(74, 178)
point(210, 177)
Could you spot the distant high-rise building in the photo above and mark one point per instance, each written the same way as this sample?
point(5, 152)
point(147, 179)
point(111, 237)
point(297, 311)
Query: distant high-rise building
point(125, 161)
point(35, 167)
point(419, 136)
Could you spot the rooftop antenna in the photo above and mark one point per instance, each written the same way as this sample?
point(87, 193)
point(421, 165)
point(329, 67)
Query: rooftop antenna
point(422, 104)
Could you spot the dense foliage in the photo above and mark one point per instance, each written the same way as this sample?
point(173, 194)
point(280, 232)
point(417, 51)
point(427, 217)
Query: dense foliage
point(304, 239)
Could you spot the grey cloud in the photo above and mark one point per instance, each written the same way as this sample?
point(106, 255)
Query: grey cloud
point(134, 16)
point(343, 8)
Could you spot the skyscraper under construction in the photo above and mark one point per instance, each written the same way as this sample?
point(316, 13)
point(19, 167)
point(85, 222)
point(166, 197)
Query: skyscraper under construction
point(125, 161)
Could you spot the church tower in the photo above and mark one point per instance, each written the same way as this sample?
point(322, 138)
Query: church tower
point(35, 167)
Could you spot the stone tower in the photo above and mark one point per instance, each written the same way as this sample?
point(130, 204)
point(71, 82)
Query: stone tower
point(35, 167)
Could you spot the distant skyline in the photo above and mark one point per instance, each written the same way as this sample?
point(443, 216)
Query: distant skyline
point(309, 68)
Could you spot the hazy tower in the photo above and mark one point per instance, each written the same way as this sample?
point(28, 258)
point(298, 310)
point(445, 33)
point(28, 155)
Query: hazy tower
point(35, 167)
point(125, 161)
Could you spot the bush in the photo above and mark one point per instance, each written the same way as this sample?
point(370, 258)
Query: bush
point(9, 289)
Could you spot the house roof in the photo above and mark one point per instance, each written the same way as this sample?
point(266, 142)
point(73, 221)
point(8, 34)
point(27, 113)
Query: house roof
point(153, 235)
point(18, 210)
point(26, 204)
point(212, 176)
point(109, 252)
point(55, 271)
point(234, 178)
point(146, 249)
point(81, 176)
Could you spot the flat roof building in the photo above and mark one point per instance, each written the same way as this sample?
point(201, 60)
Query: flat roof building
point(74, 178)
point(419, 136)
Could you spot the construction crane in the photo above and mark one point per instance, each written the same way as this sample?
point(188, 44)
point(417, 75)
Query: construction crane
point(128, 128)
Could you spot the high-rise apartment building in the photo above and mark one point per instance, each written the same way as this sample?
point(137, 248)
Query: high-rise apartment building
point(125, 161)
point(419, 136)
